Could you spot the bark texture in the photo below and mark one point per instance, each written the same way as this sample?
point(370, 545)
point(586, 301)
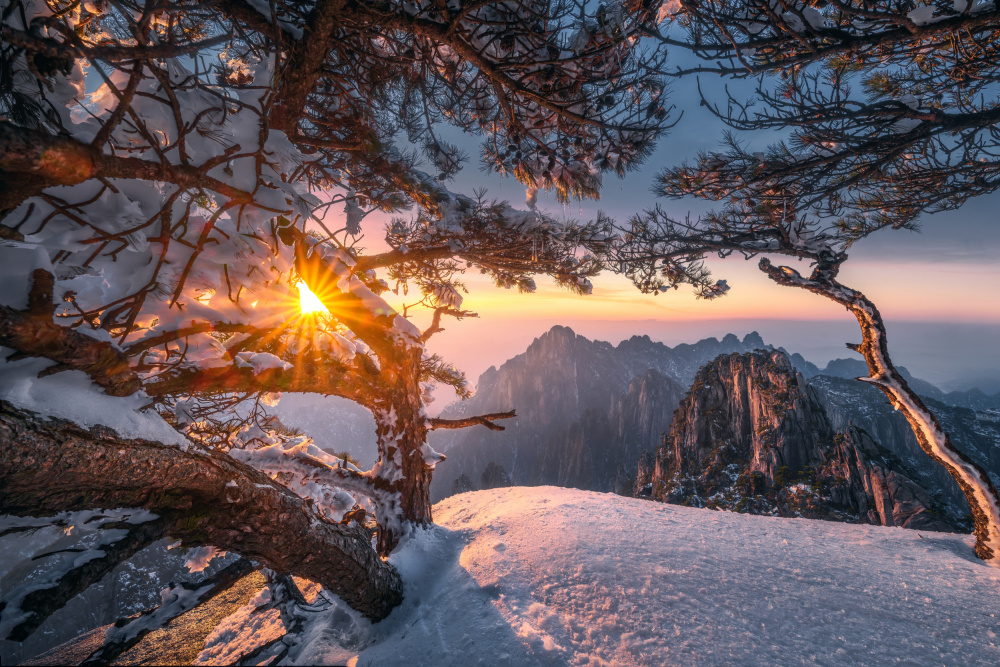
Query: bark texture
point(401, 433)
point(401, 476)
point(31, 161)
point(205, 497)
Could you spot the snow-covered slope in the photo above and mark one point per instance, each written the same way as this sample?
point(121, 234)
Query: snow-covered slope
point(548, 575)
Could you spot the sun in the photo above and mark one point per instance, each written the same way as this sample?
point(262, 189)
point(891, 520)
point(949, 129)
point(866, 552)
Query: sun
point(309, 303)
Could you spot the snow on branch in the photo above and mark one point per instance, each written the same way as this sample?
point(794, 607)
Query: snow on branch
point(203, 497)
point(329, 273)
point(68, 50)
point(39, 160)
point(33, 333)
point(314, 474)
point(975, 482)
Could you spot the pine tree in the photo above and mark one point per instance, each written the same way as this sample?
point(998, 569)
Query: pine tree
point(170, 174)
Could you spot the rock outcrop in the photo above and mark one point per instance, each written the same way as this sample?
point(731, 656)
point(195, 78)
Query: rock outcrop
point(587, 410)
point(879, 488)
point(752, 436)
point(974, 432)
point(462, 484)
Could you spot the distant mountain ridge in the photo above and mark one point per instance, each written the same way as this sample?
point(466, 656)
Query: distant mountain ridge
point(588, 410)
point(849, 369)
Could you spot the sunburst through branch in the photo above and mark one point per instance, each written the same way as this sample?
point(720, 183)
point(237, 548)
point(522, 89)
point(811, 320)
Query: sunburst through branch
point(309, 303)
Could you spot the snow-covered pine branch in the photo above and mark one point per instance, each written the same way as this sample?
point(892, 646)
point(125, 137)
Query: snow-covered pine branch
point(203, 497)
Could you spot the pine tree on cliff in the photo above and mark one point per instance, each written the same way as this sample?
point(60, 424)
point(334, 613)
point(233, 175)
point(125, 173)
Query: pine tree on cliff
point(892, 112)
point(161, 228)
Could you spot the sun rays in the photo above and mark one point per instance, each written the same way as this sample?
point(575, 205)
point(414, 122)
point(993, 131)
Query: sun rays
point(309, 303)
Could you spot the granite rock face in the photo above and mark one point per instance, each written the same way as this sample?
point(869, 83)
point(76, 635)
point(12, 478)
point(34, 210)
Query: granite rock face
point(753, 436)
point(875, 484)
point(780, 435)
point(974, 432)
point(593, 452)
point(750, 407)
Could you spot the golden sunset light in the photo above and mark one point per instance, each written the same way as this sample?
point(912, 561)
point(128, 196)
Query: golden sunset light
point(645, 333)
point(309, 303)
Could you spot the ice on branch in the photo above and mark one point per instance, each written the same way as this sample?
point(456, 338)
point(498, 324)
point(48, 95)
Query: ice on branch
point(261, 362)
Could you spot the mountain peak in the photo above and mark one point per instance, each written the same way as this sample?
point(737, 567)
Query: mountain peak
point(754, 341)
point(558, 331)
point(751, 436)
point(553, 341)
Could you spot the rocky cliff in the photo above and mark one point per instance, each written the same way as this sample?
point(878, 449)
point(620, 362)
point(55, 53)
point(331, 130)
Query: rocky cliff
point(585, 410)
point(753, 436)
point(599, 451)
point(851, 403)
point(588, 410)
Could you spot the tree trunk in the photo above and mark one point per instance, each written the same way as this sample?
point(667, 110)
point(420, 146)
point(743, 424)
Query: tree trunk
point(401, 431)
point(402, 474)
point(974, 481)
point(206, 497)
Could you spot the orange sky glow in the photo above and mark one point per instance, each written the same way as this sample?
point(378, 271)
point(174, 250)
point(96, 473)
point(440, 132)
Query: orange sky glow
point(935, 289)
point(921, 291)
point(947, 294)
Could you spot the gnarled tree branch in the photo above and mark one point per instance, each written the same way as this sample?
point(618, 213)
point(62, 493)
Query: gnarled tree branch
point(975, 482)
point(205, 497)
point(484, 420)
point(31, 161)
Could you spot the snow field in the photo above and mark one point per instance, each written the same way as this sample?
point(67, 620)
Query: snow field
point(552, 576)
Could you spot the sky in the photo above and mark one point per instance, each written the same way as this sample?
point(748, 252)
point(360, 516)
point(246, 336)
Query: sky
point(937, 289)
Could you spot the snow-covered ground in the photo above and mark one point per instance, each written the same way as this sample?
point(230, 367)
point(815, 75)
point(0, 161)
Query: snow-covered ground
point(553, 576)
